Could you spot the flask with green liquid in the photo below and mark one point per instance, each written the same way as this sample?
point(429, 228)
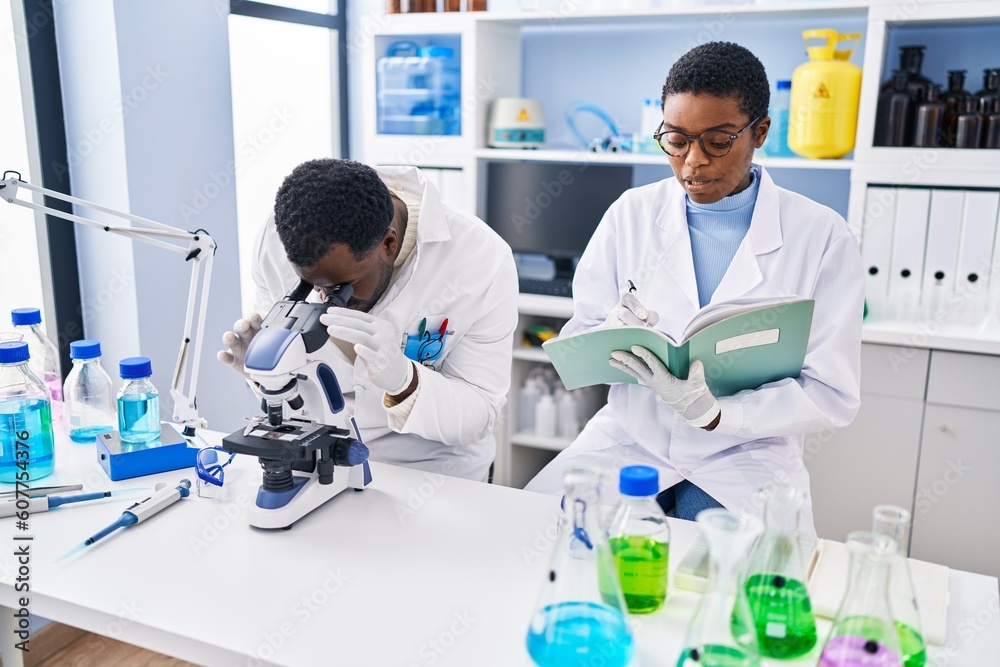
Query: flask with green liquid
point(640, 540)
point(775, 586)
point(721, 632)
point(895, 522)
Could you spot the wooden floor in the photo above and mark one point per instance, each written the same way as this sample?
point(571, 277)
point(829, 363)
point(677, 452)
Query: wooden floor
point(59, 645)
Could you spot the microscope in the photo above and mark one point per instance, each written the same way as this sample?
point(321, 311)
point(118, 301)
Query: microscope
point(300, 396)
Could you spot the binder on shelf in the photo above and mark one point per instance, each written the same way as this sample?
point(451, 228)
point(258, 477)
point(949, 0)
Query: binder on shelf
point(976, 255)
point(908, 243)
point(876, 247)
point(941, 258)
point(742, 344)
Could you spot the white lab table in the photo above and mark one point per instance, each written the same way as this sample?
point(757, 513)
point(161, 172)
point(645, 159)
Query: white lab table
point(416, 570)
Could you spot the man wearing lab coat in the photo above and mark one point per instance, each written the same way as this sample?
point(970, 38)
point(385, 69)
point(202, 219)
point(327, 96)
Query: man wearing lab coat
point(419, 269)
point(718, 231)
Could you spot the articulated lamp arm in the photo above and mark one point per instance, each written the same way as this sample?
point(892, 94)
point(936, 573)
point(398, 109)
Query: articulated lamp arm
point(198, 248)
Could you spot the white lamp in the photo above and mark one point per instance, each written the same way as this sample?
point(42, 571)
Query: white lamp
point(197, 247)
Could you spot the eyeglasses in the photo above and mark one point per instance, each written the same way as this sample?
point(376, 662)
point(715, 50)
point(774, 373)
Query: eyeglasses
point(714, 143)
point(209, 470)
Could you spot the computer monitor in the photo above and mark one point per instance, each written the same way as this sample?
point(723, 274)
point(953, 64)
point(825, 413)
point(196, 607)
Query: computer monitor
point(551, 209)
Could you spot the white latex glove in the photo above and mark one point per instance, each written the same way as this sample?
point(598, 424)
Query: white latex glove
point(630, 312)
point(238, 340)
point(376, 343)
point(690, 398)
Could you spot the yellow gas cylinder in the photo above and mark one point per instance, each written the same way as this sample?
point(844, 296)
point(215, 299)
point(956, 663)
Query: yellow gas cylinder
point(823, 111)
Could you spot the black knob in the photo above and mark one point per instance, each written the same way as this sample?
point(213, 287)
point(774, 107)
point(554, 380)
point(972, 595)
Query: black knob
point(872, 270)
point(973, 277)
point(905, 273)
point(939, 275)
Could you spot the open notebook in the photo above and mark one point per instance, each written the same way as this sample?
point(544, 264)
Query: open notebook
point(742, 344)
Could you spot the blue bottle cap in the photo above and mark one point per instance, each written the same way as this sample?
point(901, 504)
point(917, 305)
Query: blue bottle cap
point(639, 481)
point(134, 368)
point(21, 316)
point(84, 349)
point(13, 352)
point(784, 85)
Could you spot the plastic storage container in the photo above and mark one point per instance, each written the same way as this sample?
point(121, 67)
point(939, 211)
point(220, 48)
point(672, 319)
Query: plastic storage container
point(640, 540)
point(138, 402)
point(90, 405)
point(44, 354)
point(419, 90)
point(27, 448)
point(777, 137)
point(824, 102)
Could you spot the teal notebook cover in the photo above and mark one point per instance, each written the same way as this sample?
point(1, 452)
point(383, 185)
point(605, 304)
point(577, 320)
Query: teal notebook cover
point(742, 346)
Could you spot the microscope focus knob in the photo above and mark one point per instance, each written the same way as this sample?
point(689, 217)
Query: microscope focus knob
point(349, 453)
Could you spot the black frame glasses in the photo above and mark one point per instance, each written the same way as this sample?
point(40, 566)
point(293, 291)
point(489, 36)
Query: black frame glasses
point(715, 151)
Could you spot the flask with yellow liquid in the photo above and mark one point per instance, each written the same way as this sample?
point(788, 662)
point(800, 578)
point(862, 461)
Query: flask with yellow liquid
point(823, 113)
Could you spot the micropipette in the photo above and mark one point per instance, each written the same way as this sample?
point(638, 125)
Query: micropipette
point(162, 498)
point(9, 507)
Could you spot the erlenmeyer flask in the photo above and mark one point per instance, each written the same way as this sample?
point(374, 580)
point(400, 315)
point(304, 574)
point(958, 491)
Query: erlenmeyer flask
point(863, 634)
point(721, 633)
point(895, 522)
point(579, 619)
point(776, 590)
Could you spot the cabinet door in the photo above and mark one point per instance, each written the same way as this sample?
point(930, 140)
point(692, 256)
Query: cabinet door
point(955, 520)
point(872, 461)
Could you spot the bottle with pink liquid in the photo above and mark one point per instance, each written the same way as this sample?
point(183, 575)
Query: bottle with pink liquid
point(44, 355)
point(864, 634)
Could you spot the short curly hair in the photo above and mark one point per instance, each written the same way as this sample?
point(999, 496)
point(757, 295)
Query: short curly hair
point(327, 202)
point(723, 69)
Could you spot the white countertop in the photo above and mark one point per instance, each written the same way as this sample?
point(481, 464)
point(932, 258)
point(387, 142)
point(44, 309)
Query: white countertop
point(416, 570)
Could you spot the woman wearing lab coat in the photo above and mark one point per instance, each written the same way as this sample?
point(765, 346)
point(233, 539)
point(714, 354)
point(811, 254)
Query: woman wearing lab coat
point(447, 283)
point(719, 230)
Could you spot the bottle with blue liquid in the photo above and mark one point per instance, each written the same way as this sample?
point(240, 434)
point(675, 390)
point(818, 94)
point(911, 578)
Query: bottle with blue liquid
point(27, 448)
point(776, 144)
point(580, 616)
point(88, 392)
point(138, 402)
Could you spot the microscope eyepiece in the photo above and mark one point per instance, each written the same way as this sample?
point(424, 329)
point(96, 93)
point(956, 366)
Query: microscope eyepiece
point(339, 295)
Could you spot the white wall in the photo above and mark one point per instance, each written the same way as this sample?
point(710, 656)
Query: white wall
point(146, 93)
point(20, 272)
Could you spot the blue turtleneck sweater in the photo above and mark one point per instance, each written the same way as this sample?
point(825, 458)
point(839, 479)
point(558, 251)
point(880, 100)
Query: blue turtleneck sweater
point(716, 233)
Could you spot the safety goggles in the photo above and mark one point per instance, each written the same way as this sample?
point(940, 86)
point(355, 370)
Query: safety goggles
point(211, 472)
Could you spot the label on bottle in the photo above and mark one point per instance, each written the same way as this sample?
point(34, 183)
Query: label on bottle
point(776, 630)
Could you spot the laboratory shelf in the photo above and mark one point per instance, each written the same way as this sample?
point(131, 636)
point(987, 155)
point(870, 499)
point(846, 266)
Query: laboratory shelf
point(984, 339)
point(535, 354)
point(545, 306)
point(572, 15)
point(586, 157)
point(540, 442)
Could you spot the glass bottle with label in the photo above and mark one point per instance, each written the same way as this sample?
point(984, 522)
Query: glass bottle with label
point(640, 540)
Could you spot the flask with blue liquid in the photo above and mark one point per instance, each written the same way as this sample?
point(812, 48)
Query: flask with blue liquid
point(27, 448)
point(580, 616)
point(89, 395)
point(138, 402)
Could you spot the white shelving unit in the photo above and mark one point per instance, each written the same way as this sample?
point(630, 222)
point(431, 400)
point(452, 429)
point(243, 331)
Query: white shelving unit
point(493, 47)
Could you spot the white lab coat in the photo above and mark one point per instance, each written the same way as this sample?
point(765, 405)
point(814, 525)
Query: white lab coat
point(795, 247)
point(461, 270)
